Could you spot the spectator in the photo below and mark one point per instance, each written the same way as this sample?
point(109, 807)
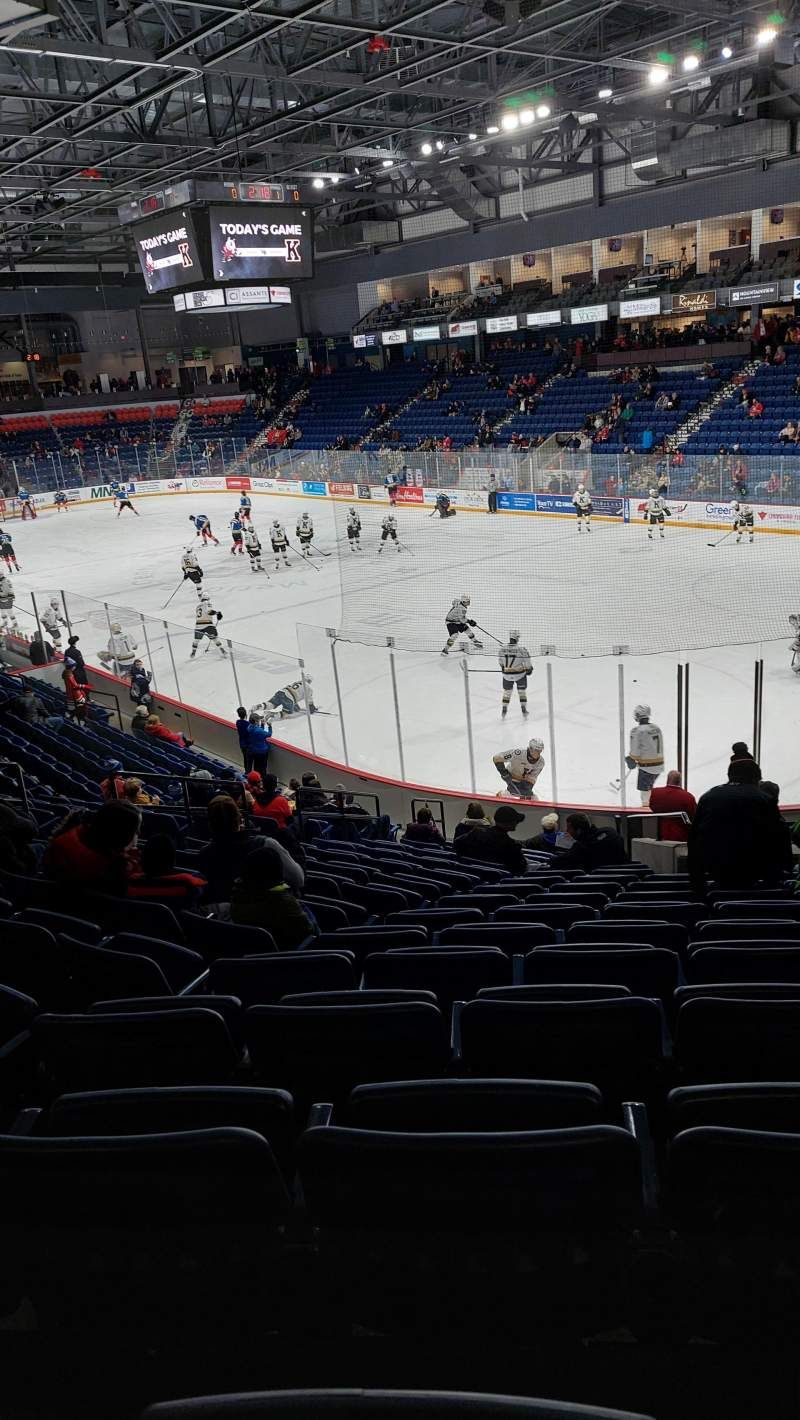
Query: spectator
point(310, 794)
point(773, 792)
point(41, 652)
point(261, 898)
point(547, 840)
point(160, 881)
point(113, 786)
point(16, 838)
point(96, 853)
point(670, 799)
point(139, 721)
point(220, 861)
point(258, 738)
point(788, 434)
point(740, 753)
point(27, 707)
point(242, 729)
point(592, 847)
point(140, 685)
point(423, 830)
point(200, 788)
point(493, 844)
point(157, 731)
point(135, 793)
point(268, 801)
point(736, 836)
point(74, 659)
point(474, 817)
point(75, 693)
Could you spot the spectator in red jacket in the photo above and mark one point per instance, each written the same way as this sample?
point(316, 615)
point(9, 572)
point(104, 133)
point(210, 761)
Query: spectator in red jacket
point(75, 690)
point(97, 853)
point(268, 802)
point(154, 727)
point(670, 799)
point(160, 881)
point(423, 830)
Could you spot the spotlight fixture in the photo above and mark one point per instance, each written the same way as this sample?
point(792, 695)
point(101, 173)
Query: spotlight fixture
point(335, 177)
point(492, 128)
point(690, 63)
point(318, 182)
point(472, 137)
point(726, 52)
point(509, 122)
point(426, 150)
point(766, 36)
point(658, 74)
point(543, 111)
point(387, 163)
point(605, 93)
point(526, 115)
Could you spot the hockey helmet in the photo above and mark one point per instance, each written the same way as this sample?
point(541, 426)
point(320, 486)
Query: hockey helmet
point(55, 603)
point(116, 629)
point(535, 746)
point(581, 488)
point(308, 679)
point(513, 637)
point(641, 712)
point(463, 598)
point(652, 492)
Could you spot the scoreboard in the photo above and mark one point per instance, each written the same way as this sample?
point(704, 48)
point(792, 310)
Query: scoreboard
point(262, 192)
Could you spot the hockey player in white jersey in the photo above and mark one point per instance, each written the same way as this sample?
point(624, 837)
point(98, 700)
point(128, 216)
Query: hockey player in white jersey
point(794, 622)
point(206, 620)
point(8, 619)
point(120, 652)
point(515, 666)
point(655, 512)
point(280, 542)
point(582, 501)
point(389, 531)
point(52, 621)
point(253, 548)
point(520, 768)
point(353, 530)
point(191, 569)
point(287, 701)
point(305, 533)
point(645, 751)
point(459, 623)
point(743, 520)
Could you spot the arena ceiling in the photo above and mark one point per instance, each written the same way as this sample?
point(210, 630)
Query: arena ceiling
point(388, 106)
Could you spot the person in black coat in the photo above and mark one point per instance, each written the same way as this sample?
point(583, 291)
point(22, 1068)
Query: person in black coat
point(592, 847)
point(74, 659)
point(140, 685)
point(736, 836)
point(494, 843)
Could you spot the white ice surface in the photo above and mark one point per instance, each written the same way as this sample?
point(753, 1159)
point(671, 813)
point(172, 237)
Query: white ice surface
point(583, 593)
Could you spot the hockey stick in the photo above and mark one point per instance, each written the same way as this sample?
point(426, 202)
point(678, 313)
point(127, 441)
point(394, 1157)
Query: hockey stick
point(721, 539)
point(301, 555)
point(406, 549)
point(489, 634)
point(320, 552)
point(616, 784)
point(174, 594)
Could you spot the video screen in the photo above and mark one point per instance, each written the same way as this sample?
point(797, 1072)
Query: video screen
point(168, 251)
point(261, 243)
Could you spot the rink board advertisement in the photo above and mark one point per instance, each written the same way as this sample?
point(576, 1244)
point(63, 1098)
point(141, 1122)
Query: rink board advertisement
point(261, 243)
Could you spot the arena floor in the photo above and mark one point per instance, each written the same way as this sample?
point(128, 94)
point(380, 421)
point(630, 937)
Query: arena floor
point(721, 608)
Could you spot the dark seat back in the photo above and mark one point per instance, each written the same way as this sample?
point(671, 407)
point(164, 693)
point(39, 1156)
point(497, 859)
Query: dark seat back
point(258, 981)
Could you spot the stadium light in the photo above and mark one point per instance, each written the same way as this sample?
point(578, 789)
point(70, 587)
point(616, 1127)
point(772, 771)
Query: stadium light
point(726, 52)
point(318, 182)
point(766, 36)
point(334, 178)
point(426, 150)
point(509, 122)
point(658, 74)
point(543, 111)
point(439, 145)
point(690, 63)
point(472, 137)
point(605, 93)
point(387, 163)
point(492, 128)
point(526, 115)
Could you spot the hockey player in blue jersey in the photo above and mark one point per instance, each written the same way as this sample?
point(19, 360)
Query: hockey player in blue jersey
point(25, 500)
point(7, 552)
point(124, 501)
point(61, 501)
point(202, 527)
point(245, 507)
point(237, 533)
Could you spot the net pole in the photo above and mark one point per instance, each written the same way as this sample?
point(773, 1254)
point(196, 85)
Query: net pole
point(237, 688)
point(397, 720)
point(178, 695)
point(306, 698)
point(622, 765)
point(552, 731)
point(149, 652)
point(468, 710)
point(66, 613)
point(332, 634)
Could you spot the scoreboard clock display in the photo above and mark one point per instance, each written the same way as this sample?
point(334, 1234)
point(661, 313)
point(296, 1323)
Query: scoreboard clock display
point(262, 192)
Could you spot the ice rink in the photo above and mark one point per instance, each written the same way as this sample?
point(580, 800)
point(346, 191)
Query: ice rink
point(680, 601)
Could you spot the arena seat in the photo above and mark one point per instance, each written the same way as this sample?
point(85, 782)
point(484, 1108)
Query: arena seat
point(376, 1405)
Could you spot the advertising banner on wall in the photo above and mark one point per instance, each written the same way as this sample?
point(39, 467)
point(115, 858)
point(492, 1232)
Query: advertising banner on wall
point(517, 502)
point(212, 484)
point(754, 295)
point(495, 324)
point(587, 315)
point(426, 332)
point(237, 480)
point(410, 495)
point(341, 490)
point(317, 490)
point(462, 327)
point(368, 341)
point(394, 337)
point(542, 318)
point(647, 306)
point(693, 302)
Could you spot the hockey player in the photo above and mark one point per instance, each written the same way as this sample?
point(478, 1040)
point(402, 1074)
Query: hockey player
point(202, 526)
point(8, 620)
point(52, 621)
point(459, 624)
point(121, 650)
point(743, 520)
point(655, 511)
point(280, 542)
point(353, 530)
point(237, 533)
point(520, 768)
point(7, 552)
point(26, 504)
point(794, 622)
point(515, 665)
point(583, 507)
point(288, 701)
point(444, 507)
point(305, 532)
point(115, 489)
point(245, 507)
point(251, 542)
point(645, 751)
point(191, 569)
point(388, 530)
point(124, 502)
point(205, 626)
point(61, 501)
